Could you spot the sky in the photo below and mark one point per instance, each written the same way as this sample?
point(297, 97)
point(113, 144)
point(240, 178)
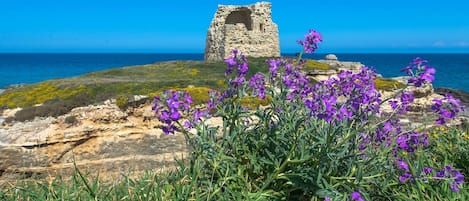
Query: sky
point(165, 26)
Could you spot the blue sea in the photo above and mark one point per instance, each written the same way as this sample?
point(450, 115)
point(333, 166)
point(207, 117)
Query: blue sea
point(452, 69)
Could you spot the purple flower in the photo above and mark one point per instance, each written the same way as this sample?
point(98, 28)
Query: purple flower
point(406, 98)
point(188, 124)
point(402, 165)
point(410, 141)
point(356, 196)
point(215, 97)
point(327, 198)
point(169, 110)
point(420, 72)
point(230, 61)
point(359, 97)
point(175, 115)
point(404, 177)
point(447, 108)
point(312, 39)
point(242, 66)
point(427, 170)
point(274, 66)
point(257, 83)
point(455, 178)
point(164, 115)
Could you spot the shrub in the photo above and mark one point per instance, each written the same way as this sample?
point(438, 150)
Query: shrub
point(314, 65)
point(53, 109)
point(386, 84)
point(322, 141)
point(71, 120)
point(30, 95)
point(122, 102)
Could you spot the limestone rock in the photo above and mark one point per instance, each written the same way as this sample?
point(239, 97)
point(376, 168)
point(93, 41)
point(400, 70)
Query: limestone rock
point(335, 67)
point(331, 57)
point(248, 28)
point(105, 139)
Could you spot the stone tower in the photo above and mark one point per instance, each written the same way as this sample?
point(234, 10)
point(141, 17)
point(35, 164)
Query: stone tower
point(248, 28)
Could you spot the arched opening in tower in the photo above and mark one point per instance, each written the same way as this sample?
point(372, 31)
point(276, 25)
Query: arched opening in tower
point(240, 16)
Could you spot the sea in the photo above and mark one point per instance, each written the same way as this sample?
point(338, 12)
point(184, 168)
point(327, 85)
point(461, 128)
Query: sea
point(24, 68)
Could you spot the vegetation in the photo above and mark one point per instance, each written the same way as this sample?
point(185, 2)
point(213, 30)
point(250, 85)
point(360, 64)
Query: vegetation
point(387, 84)
point(303, 144)
point(57, 97)
point(314, 65)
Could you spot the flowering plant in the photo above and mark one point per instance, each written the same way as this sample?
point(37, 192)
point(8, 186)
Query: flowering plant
point(329, 140)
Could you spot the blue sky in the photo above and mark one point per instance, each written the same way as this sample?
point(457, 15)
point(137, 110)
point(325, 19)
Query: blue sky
point(164, 26)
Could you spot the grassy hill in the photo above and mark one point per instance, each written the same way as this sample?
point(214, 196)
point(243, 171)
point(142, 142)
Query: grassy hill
point(61, 95)
point(57, 97)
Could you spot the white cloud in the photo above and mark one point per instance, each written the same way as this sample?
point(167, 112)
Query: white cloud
point(462, 44)
point(439, 44)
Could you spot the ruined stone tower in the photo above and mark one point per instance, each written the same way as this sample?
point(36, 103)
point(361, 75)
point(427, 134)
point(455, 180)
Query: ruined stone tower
point(248, 28)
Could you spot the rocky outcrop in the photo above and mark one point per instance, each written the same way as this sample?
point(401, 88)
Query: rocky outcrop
point(100, 139)
point(248, 28)
point(331, 57)
point(334, 68)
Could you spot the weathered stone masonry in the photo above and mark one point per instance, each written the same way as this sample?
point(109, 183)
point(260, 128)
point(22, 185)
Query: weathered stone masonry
point(248, 28)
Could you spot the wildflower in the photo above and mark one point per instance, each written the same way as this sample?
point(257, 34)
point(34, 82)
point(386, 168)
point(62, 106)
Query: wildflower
point(455, 177)
point(213, 97)
point(312, 39)
point(427, 170)
point(274, 66)
point(423, 72)
point(402, 165)
point(257, 83)
point(169, 111)
point(411, 140)
point(447, 108)
point(406, 98)
point(356, 196)
point(242, 66)
point(404, 177)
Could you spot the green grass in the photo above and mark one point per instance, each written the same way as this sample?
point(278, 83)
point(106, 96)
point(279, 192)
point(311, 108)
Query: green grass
point(386, 84)
point(150, 80)
point(314, 65)
point(136, 80)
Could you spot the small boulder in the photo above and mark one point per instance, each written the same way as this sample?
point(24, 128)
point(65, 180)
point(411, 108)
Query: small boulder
point(331, 57)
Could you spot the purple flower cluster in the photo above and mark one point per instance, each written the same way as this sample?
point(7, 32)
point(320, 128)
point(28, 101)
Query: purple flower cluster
point(170, 109)
point(407, 176)
point(406, 98)
point(292, 77)
point(420, 72)
point(356, 196)
point(349, 95)
point(196, 118)
point(257, 82)
point(402, 165)
point(410, 141)
point(312, 39)
point(296, 82)
point(385, 132)
point(455, 177)
point(240, 61)
point(214, 98)
point(447, 108)
point(274, 67)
